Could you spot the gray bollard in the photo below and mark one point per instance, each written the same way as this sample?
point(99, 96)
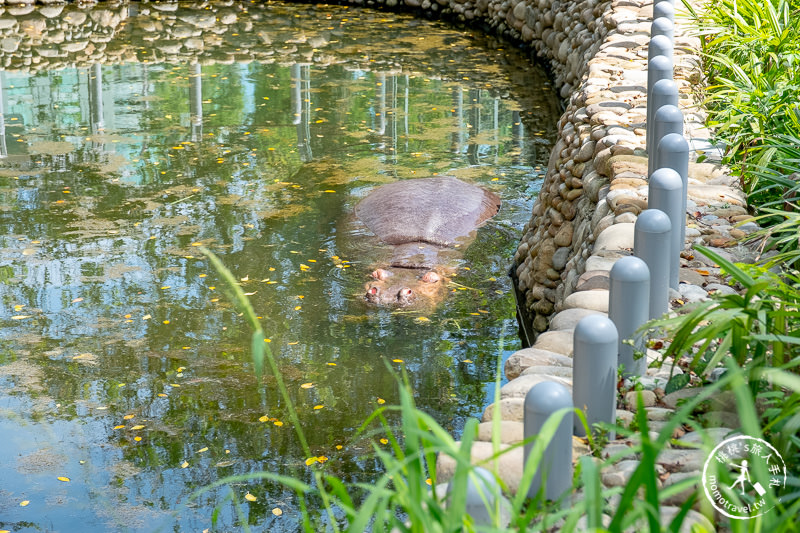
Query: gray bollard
point(541, 401)
point(664, 9)
point(652, 243)
point(660, 45)
point(629, 308)
point(663, 92)
point(594, 372)
point(483, 494)
point(666, 119)
point(673, 152)
point(659, 68)
point(665, 193)
point(663, 26)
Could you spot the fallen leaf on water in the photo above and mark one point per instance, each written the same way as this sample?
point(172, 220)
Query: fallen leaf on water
point(397, 361)
point(278, 423)
point(467, 360)
point(119, 427)
point(201, 450)
point(137, 439)
point(184, 464)
point(310, 461)
point(264, 418)
point(21, 317)
point(128, 417)
point(136, 428)
point(24, 503)
point(223, 464)
point(249, 497)
point(63, 478)
point(422, 319)
point(146, 317)
point(381, 401)
point(306, 385)
point(384, 441)
point(318, 407)
point(76, 300)
point(277, 512)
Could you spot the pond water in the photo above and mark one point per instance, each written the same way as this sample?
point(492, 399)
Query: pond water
point(131, 133)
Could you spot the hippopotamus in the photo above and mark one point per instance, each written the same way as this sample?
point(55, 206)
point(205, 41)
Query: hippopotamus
point(426, 222)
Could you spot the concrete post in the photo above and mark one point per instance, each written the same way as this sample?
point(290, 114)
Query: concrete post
point(482, 497)
point(663, 26)
point(673, 152)
point(629, 308)
point(666, 119)
point(594, 372)
point(659, 68)
point(665, 193)
point(660, 45)
point(556, 467)
point(652, 244)
point(664, 9)
point(663, 92)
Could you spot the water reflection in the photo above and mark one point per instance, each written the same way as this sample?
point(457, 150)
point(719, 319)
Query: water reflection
point(253, 131)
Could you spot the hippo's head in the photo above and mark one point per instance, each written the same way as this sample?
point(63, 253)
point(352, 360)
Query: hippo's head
point(402, 286)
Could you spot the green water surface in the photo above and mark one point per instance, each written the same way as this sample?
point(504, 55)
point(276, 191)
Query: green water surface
point(125, 375)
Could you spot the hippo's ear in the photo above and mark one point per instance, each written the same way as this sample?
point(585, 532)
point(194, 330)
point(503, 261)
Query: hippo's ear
point(490, 205)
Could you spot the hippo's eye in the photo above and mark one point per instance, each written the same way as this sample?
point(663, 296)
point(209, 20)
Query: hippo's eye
point(404, 293)
point(373, 290)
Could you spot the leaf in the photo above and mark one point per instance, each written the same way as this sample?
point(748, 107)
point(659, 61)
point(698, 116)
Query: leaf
point(64, 479)
point(249, 497)
point(307, 386)
point(310, 461)
point(264, 418)
point(677, 382)
point(201, 450)
point(184, 464)
point(277, 511)
point(24, 503)
point(21, 317)
point(135, 428)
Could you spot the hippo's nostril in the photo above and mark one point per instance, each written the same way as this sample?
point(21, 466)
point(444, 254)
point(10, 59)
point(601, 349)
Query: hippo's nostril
point(372, 290)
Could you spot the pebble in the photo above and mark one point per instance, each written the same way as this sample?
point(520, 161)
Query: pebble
point(648, 399)
point(569, 318)
point(527, 357)
point(692, 293)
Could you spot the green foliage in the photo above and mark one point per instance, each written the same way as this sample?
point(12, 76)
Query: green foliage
point(753, 48)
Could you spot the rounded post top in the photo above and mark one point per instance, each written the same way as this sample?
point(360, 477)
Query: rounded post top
point(663, 10)
point(660, 45)
point(596, 329)
point(653, 221)
point(665, 87)
point(666, 179)
point(669, 113)
point(662, 26)
point(547, 397)
point(672, 143)
point(630, 269)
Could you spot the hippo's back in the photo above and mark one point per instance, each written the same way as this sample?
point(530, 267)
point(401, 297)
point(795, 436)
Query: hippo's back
point(436, 210)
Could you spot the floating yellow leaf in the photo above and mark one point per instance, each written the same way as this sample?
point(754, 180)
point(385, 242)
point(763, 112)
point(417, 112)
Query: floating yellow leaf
point(249, 497)
point(165, 287)
point(76, 300)
point(307, 385)
point(277, 511)
point(304, 267)
point(136, 428)
point(422, 319)
point(184, 464)
point(128, 417)
point(338, 446)
point(428, 481)
point(24, 503)
point(223, 464)
point(278, 423)
point(119, 427)
point(146, 317)
point(201, 450)
point(384, 441)
point(397, 361)
point(298, 307)
point(318, 407)
point(63, 478)
point(310, 461)
point(166, 322)
point(162, 395)
point(20, 317)
point(264, 418)
point(329, 190)
point(331, 364)
point(137, 439)
point(467, 360)
point(381, 401)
